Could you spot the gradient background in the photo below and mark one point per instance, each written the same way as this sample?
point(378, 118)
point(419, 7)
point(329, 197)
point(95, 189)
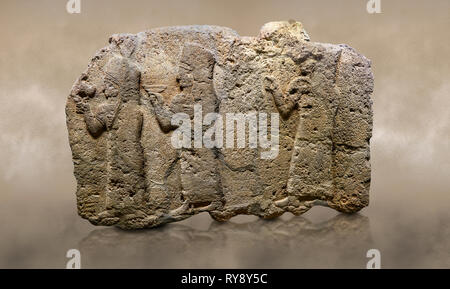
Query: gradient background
point(44, 49)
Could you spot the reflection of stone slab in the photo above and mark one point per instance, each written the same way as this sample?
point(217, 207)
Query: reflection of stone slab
point(120, 121)
point(341, 241)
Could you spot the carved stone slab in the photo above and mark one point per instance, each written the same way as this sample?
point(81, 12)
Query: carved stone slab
point(175, 121)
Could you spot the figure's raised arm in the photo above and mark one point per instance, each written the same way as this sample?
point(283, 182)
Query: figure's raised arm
point(94, 125)
point(162, 111)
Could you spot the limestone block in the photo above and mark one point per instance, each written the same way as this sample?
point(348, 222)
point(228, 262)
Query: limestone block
point(176, 121)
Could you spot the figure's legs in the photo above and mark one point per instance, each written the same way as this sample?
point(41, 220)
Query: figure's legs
point(126, 170)
point(199, 178)
point(310, 175)
point(310, 171)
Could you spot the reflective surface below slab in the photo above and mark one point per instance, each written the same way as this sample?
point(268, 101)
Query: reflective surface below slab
point(319, 239)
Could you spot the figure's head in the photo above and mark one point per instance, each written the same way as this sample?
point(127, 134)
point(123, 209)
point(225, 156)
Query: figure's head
point(299, 86)
point(185, 77)
point(121, 76)
point(111, 86)
point(196, 64)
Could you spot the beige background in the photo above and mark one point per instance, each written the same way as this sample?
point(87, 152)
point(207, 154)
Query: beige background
point(44, 49)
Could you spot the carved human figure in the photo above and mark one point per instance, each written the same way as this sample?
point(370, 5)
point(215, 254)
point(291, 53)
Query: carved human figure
point(309, 178)
point(200, 177)
point(120, 117)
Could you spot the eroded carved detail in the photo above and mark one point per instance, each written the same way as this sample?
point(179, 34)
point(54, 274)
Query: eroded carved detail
point(122, 113)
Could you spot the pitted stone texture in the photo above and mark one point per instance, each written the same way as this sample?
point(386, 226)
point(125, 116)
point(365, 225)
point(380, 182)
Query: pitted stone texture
point(120, 109)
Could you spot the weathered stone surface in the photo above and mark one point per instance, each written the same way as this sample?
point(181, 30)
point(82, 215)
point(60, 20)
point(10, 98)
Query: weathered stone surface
point(121, 110)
